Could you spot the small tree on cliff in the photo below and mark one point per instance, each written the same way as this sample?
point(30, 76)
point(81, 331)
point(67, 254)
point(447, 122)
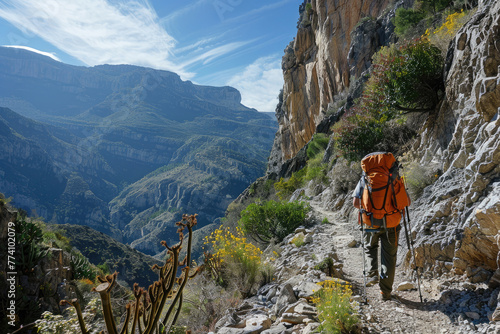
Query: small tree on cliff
point(404, 79)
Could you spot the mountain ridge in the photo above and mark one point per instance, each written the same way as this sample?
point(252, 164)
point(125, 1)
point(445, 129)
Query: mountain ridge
point(115, 125)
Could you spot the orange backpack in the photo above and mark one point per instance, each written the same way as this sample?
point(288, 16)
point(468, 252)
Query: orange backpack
point(384, 196)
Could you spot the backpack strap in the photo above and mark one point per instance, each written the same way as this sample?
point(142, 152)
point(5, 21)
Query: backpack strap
point(394, 195)
point(386, 187)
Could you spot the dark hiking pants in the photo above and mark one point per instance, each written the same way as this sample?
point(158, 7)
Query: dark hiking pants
point(388, 253)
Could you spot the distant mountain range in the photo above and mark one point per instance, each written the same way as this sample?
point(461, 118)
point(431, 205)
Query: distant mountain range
point(123, 149)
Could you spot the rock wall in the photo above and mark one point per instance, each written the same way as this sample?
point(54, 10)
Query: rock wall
point(320, 63)
point(457, 220)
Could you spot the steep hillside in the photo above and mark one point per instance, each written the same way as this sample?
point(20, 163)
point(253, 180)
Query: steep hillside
point(100, 249)
point(47, 263)
point(212, 175)
point(27, 169)
point(455, 215)
point(108, 137)
point(456, 219)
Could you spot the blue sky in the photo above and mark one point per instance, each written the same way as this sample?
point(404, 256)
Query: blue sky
point(210, 42)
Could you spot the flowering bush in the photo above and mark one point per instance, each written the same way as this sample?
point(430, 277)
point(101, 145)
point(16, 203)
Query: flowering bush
point(298, 240)
point(335, 311)
point(442, 36)
point(408, 22)
point(233, 259)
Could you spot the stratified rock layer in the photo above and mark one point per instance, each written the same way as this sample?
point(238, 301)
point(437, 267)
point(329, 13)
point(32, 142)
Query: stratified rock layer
point(316, 67)
point(458, 217)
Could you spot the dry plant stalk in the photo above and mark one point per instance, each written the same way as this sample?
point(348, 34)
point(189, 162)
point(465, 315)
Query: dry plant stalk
point(145, 315)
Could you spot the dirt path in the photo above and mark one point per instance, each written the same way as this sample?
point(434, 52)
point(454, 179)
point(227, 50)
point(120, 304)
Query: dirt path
point(408, 315)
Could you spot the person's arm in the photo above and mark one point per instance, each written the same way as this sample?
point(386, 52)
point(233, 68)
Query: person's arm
point(357, 194)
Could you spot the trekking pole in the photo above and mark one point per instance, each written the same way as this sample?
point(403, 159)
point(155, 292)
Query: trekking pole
point(360, 221)
point(410, 242)
point(411, 248)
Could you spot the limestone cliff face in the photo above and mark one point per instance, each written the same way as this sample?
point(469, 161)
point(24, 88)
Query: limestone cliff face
point(456, 222)
point(458, 218)
point(319, 64)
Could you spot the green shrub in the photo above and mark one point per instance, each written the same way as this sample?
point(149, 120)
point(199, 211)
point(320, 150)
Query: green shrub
point(298, 240)
point(404, 79)
point(81, 266)
point(285, 188)
point(432, 6)
point(325, 221)
point(104, 267)
point(272, 220)
point(29, 238)
point(410, 76)
point(316, 170)
point(317, 145)
point(308, 8)
point(357, 133)
point(406, 19)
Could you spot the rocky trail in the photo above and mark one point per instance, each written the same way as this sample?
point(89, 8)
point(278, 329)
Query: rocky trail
point(450, 305)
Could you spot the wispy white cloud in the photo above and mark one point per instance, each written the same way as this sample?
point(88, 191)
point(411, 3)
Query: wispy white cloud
point(214, 53)
point(186, 10)
point(260, 83)
point(256, 11)
point(48, 54)
point(199, 45)
point(96, 31)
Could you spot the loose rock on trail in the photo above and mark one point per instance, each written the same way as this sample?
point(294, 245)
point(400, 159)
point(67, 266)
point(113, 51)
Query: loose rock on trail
point(449, 305)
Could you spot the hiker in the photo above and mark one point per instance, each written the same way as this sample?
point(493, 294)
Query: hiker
point(381, 198)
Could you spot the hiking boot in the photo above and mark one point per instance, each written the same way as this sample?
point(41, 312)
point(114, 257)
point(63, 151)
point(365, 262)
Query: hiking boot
point(372, 281)
point(386, 296)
